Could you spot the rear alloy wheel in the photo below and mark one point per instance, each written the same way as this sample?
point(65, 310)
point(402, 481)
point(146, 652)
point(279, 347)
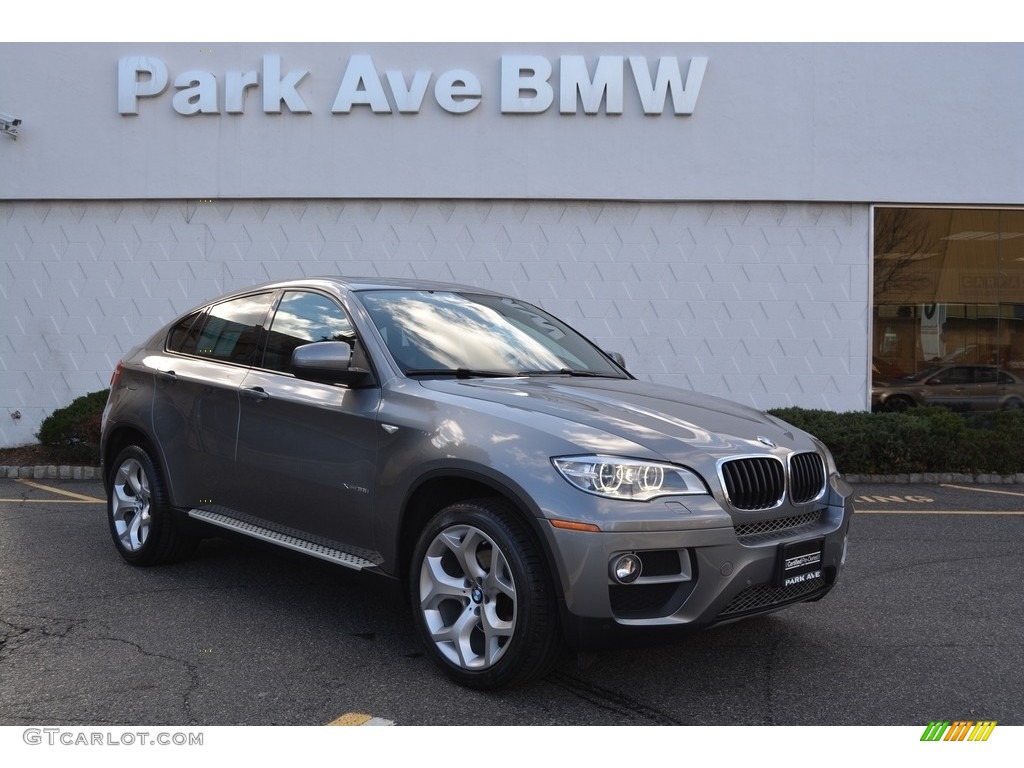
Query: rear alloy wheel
point(139, 514)
point(482, 598)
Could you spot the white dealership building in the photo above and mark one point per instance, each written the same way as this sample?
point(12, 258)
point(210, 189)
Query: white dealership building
point(767, 222)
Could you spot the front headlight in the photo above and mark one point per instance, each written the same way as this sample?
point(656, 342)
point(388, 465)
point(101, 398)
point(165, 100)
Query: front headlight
point(630, 479)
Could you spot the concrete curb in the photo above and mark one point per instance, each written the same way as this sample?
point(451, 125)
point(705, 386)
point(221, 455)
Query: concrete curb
point(50, 472)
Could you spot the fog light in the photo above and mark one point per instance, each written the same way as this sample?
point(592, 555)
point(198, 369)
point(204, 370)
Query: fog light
point(626, 569)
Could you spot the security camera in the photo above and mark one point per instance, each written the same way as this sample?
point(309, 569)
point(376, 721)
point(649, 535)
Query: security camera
point(9, 125)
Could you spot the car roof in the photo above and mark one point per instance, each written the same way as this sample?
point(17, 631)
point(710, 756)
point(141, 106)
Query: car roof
point(378, 283)
point(338, 283)
point(353, 284)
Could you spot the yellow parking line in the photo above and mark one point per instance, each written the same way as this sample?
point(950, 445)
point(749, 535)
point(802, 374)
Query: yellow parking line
point(982, 490)
point(62, 492)
point(357, 718)
point(52, 501)
point(974, 512)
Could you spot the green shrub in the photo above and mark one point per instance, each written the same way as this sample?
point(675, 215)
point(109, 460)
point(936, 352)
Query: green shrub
point(918, 440)
point(72, 433)
point(1000, 435)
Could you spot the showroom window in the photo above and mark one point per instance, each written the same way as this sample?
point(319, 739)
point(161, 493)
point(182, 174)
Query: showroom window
point(948, 290)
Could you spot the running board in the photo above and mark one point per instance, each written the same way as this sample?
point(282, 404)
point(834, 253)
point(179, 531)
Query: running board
point(283, 540)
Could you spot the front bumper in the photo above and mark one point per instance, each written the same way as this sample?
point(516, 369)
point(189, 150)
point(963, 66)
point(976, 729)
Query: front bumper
point(697, 577)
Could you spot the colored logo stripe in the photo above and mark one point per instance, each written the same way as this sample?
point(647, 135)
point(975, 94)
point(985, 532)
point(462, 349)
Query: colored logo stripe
point(982, 730)
point(960, 730)
point(935, 730)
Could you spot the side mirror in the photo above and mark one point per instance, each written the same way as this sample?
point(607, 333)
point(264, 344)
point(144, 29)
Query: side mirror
point(618, 358)
point(329, 361)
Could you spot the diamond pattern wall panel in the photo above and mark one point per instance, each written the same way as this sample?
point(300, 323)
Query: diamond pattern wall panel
point(763, 303)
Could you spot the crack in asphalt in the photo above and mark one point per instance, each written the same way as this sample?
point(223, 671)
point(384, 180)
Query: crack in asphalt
point(13, 634)
point(192, 669)
point(612, 701)
point(21, 633)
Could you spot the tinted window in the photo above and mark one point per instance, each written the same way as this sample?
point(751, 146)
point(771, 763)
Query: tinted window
point(984, 375)
point(185, 334)
point(231, 331)
point(303, 318)
point(948, 288)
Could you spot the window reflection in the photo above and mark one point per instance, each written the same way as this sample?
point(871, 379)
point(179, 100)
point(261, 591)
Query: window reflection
point(444, 331)
point(231, 330)
point(303, 318)
point(948, 290)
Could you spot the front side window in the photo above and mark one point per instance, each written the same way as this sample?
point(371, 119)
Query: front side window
point(303, 318)
point(438, 332)
point(959, 375)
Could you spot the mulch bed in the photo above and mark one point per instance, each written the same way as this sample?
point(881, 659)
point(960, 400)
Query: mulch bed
point(30, 456)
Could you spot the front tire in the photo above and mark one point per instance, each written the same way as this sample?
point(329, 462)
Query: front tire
point(139, 513)
point(482, 599)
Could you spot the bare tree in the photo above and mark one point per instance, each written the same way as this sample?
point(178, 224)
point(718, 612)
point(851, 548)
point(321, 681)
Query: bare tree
point(900, 239)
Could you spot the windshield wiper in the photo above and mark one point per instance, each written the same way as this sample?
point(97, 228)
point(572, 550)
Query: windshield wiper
point(459, 373)
point(563, 372)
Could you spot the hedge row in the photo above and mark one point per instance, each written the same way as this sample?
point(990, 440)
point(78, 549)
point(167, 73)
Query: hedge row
point(918, 440)
point(929, 439)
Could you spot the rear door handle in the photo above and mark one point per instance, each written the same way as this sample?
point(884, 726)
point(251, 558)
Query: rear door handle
point(167, 375)
point(254, 393)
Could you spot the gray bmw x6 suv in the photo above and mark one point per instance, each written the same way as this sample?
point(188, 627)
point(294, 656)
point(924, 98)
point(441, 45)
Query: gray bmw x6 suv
point(523, 487)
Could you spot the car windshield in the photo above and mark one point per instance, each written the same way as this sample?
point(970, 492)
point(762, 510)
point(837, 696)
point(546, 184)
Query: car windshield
point(443, 332)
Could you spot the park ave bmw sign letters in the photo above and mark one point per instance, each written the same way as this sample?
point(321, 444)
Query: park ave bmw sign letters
point(527, 86)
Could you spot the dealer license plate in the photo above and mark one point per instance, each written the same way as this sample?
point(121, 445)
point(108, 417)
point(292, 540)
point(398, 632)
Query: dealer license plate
point(799, 561)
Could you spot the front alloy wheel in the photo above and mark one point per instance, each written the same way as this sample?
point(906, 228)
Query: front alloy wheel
point(468, 597)
point(482, 598)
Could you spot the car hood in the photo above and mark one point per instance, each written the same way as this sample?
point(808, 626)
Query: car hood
point(669, 422)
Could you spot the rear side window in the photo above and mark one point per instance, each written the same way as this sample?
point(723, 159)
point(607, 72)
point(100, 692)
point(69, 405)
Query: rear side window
point(185, 334)
point(302, 318)
point(231, 329)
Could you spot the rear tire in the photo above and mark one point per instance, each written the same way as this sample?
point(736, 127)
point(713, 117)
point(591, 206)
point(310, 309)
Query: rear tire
point(139, 513)
point(482, 598)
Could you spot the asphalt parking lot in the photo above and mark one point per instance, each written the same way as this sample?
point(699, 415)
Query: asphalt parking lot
point(924, 625)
